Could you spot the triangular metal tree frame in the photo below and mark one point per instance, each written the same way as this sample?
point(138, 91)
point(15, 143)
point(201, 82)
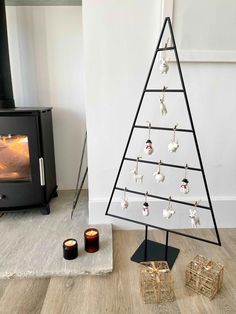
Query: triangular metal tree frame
point(142, 252)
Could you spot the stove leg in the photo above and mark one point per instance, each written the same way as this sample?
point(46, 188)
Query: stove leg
point(55, 194)
point(45, 210)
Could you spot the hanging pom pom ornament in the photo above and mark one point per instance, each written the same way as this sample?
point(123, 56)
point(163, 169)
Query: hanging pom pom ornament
point(145, 209)
point(158, 175)
point(124, 203)
point(164, 66)
point(148, 146)
point(174, 145)
point(169, 211)
point(137, 176)
point(195, 220)
point(184, 188)
point(163, 109)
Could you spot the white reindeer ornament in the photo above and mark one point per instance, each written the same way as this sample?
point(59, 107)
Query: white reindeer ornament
point(163, 109)
point(195, 220)
point(136, 175)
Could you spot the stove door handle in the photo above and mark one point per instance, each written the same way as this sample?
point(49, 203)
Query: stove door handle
point(41, 169)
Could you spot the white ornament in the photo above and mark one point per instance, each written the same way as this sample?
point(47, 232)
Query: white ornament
point(137, 177)
point(163, 109)
point(164, 66)
point(158, 175)
point(148, 148)
point(184, 188)
point(195, 220)
point(124, 204)
point(169, 211)
point(145, 209)
point(173, 146)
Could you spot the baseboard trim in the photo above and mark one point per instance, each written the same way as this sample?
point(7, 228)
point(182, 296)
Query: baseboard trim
point(224, 210)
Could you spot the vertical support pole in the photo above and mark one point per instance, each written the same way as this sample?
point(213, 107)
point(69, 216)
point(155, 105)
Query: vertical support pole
point(166, 247)
point(145, 247)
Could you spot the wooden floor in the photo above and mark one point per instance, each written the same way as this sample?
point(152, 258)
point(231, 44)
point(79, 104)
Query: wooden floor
point(118, 292)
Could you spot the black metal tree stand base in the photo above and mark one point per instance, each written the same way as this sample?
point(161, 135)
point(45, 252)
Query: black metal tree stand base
point(154, 251)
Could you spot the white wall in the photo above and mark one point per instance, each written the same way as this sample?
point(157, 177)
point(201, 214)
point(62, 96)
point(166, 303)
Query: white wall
point(119, 41)
point(47, 70)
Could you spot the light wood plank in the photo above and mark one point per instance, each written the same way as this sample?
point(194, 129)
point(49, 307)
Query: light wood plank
point(118, 292)
point(3, 286)
point(24, 296)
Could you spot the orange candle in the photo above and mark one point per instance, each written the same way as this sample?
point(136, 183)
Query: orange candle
point(91, 240)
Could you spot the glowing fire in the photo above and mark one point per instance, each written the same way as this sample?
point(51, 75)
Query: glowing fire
point(14, 158)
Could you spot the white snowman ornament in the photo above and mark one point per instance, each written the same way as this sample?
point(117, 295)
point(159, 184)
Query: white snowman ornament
point(158, 175)
point(124, 203)
point(145, 209)
point(184, 187)
point(174, 144)
point(148, 149)
point(169, 211)
point(195, 220)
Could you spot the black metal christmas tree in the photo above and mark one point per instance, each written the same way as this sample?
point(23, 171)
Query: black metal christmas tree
point(150, 250)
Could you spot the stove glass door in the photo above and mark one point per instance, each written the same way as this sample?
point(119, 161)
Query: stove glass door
point(14, 158)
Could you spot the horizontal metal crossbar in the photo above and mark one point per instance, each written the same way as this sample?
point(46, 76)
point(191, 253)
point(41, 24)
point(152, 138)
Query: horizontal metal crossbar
point(166, 91)
point(163, 198)
point(166, 48)
point(162, 128)
point(162, 164)
point(160, 228)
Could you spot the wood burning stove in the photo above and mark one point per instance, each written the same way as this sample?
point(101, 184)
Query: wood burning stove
point(27, 162)
point(27, 167)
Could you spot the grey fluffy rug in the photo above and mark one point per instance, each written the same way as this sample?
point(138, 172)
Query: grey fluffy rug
point(31, 244)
